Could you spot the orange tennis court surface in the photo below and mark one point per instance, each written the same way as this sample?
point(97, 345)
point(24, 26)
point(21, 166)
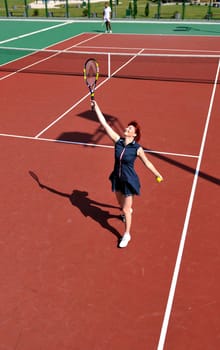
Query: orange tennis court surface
point(64, 282)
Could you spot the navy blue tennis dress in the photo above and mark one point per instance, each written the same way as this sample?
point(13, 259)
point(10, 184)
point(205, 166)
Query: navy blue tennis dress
point(124, 177)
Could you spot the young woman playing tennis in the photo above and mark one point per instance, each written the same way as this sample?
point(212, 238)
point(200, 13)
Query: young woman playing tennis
point(125, 182)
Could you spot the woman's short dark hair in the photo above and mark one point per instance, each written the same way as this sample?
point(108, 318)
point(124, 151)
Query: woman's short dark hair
point(137, 129)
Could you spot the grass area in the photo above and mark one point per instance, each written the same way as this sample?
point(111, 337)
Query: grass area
point(122, 10)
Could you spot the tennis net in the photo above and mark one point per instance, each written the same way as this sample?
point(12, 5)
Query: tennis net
point(163, 67)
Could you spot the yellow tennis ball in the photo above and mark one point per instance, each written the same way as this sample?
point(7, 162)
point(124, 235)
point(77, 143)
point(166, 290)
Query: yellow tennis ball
point(159, 179)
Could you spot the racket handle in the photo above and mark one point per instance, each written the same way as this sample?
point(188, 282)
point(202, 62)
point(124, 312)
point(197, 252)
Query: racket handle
point(92, 99)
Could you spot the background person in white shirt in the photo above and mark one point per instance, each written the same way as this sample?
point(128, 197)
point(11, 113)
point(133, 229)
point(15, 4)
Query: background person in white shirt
point(107, 14)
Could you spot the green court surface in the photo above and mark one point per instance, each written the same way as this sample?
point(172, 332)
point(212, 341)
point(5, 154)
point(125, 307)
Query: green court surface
point(13, 30)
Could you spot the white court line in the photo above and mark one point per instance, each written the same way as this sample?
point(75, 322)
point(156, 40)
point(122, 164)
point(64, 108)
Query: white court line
point(73, 106)
point(126, 63)
point(68, 110)
point(186, 224)
point(91, 145)
point(61, 116)
point(205, 52)
point(189, 208)
point(56, 52)
point(83, 98)
point(86, 40)
point(32, 33)
point(52, 55)
point(30, 65)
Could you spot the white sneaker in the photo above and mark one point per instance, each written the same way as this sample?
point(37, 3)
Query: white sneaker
point(125, 239)
point(110, 31)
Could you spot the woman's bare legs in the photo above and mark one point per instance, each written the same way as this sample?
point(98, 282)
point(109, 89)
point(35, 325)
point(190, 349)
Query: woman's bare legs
point(120, 199)
point(127, 210)
point(125, 203)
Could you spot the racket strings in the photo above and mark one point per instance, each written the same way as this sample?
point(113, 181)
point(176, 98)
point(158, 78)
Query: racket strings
point(91, 72)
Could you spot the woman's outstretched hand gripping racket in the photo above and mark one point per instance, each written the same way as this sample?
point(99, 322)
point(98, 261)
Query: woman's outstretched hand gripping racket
point(91, 74)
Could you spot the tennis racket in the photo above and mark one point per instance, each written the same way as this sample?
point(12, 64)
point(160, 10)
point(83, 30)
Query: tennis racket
point(91, 74)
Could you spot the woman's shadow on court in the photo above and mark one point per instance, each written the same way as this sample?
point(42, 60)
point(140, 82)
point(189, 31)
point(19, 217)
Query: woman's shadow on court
point(87, 206)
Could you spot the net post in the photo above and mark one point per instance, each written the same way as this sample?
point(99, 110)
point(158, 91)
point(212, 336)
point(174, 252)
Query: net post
point(109, 65)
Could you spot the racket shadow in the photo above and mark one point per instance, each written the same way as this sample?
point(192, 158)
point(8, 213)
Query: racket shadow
point(80, 137)
point(97, 135)
point(114, 122)
point(87, 206)
point(77, 137)
point(89, 115)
